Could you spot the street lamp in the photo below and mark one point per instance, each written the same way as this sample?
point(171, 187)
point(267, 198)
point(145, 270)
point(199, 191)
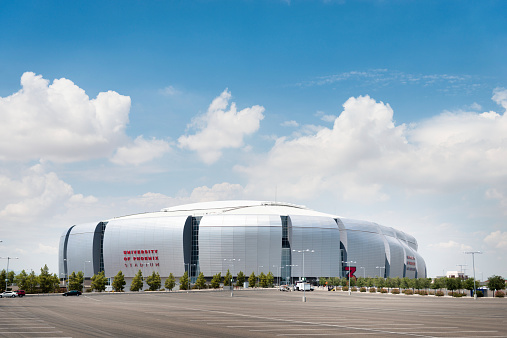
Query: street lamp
point(364, 271)
point(231, 260)
point(473, 264)
point(304, 278)
point(348, 263)
point(7, 275)
point(380, 271)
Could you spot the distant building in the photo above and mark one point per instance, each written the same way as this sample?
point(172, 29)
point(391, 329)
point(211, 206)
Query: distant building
point(247, 236)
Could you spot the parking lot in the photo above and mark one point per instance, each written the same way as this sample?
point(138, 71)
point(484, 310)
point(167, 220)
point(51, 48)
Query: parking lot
point(251, 313)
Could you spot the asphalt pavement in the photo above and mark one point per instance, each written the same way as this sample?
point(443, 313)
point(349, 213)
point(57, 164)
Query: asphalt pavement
point(251, 313)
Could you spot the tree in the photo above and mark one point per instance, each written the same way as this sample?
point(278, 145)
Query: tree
point(170, 282)
point(10, 277)
point(99, 282)
point(270, 279)
point(45, 282)
point(496, 283)
point(240, 279)
point(21, 280)
point(31, 282)
point(3, 277)
point(216, 280)
point(452, 284)
point(184, 281)
point(154, 281)
point(405, 283)
point(227, 278)
point(361, 282)
point(200, 283)
point(55, 283)
point(119, 282)
point(252, 279)
point(263, 280)
point(76, 281)
point(390, 283)
point(137, 282)
point(468, 284)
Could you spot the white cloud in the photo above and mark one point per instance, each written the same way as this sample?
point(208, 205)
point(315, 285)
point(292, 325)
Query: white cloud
point(497, 239)
point(365, 154)
point(219, 129)
point(451, 245)
point(290, 123)
point(35, 195)
point(170, 91)
point(220, 191)
point(140, 151)
point(500, 97)
point(59, 122)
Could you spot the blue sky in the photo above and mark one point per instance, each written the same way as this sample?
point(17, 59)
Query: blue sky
point(391, 111)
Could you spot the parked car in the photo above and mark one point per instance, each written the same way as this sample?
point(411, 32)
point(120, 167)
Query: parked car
point(20, 293)
point(8, 294)
point(72, 293)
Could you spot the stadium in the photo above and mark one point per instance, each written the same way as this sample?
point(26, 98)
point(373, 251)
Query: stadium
point(290, 241)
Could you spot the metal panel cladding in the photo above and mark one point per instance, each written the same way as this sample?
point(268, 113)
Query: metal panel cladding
point(248, 243)
point(365, 247)
point(144, 243)
point(320, 234)
point(80, 249)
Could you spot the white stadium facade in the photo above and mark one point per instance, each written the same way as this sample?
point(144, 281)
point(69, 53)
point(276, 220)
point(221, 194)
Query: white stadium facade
point(247, 236)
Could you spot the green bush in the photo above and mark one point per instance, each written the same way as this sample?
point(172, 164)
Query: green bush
point(395, 291)
point(383, 290)
point(345, 288)
point(500, 294)
point(354, 288)
point(423, 292)
point(373, 290)
point(480, 294)
point(458, 295)
point(408, 292)
point(439, 293)
point(363, 289)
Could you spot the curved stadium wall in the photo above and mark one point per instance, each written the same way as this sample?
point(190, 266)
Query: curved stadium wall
point(247, 236)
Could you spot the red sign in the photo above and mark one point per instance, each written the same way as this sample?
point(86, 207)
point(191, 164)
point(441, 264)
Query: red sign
point(140, 258)
point(351, 270)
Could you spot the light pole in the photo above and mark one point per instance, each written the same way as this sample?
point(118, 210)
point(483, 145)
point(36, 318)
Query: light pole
point(380, 271)
point(231, 260)
point(348, 263)
point(290, 276)
point(364, 271)
point(304, 278)
point(473, 265)
point(7, 275)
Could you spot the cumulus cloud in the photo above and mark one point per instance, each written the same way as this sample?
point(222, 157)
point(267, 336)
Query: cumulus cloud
point(290, 123)
point(366, 152)
point(219, 128)
point(453, 245)
point(220, 191)
point(140, 151)
point(497, 239)
point(37, 194)
point(59, 122)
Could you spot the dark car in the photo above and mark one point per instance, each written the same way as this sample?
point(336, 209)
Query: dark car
point(20, 293)
point(72, 293)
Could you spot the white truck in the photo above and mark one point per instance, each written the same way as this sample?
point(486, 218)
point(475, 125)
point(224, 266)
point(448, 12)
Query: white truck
point(303, 286)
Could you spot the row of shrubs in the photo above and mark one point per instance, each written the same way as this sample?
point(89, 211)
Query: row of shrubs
point(499, 293)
